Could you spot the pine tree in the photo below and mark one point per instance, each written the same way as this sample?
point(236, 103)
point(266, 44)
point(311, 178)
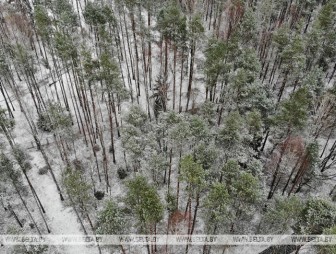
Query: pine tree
point(316, 216)
point(54, 118)
point(217, 213)
point(325, 249)
point(281, 215)
point(216, 66)
point(9, 174)
point(158, 165)
point(172, 24)
point(294, 111)
point(66, 19)
point(145, 203)
point(196, 30)
point(244, 189)
point(78, 191)
point(193, 175)
point(231, 137)
point(293, 61)
point(217, 203)
point(6, 124)
point(111, 221)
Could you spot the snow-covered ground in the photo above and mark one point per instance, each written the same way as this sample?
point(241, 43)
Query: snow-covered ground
point(62, 218)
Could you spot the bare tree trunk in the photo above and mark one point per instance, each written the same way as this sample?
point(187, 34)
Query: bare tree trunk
point(191, 72)
point(15, 215)
point(195, 213)
point(25, 206)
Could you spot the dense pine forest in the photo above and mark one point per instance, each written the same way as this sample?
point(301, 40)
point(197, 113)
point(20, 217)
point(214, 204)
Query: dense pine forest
point(167, 117)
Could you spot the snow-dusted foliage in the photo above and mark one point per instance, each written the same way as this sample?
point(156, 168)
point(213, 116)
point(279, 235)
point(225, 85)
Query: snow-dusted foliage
point(163, 117)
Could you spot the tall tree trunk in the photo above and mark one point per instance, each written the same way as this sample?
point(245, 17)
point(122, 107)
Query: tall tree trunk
point(191, 72)
point(15, 215)
point(25, 206)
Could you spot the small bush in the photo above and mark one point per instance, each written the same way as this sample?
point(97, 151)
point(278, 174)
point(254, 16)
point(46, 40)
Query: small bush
point(99, 195)
point(54, 117)
point(122, 173)
point(43, 171)
point(44, 123)
point(171, 203)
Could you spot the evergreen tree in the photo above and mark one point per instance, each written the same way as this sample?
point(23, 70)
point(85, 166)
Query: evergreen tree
point(217, 203)
point(217, 213)
point(193, 175)
point(326, 249)
point(316, 216)
point(196, 30)
point(281, 215)
point(216, 67)
point(145, 203)
point(78, 191)
point(6, 124)
point(9, 174)
point(295, 111)
point(111, 221)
